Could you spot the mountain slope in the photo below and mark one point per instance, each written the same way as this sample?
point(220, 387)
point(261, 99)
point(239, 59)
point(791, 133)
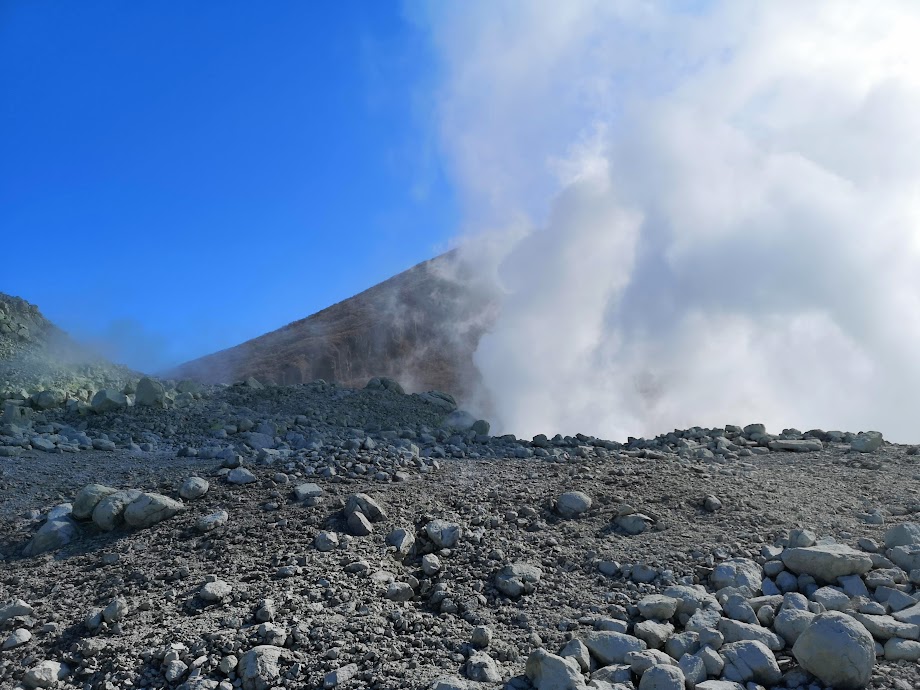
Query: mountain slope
point(420, 327)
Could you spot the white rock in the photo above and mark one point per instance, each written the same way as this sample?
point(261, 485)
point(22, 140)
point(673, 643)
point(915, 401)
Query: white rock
point(51, 536)
point(838, 650)
point(897, 649)
point(326, 541)
point(240, 475)
point(215, 591)
point(45, 674)
point(657, 606)
point(482, 668)
point(340, 675)
point(362, 503)
point(17, 608)
point(309, 490)
point(208, 522)
point(109, 512)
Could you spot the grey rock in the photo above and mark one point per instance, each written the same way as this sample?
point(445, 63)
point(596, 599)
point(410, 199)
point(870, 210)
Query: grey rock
point(902, 650)
point(750, 661)
point(657, 606)
point(88, 498)
point(399, 591)
point(51, 536)
point(362, 503)
point(193, 487)
point(216, 591)
point(17, 608)
point(517, 579)
point(340, 675)
point(260, 667)
point(550, 672)
point(240, 475)
point(45, 674)
point(149, 508)
point(867, 442)
point(150, 393)
point(634, 523)
point(206, 523)
point(736, 631)
point(827, 562)
point(17, 638)
point(482, 668)
point(612, 647)
point(359, 525)
point(326, 541)
point(573, 503)
point(109, 512)
point(309, 490)
point(838, 650)
point(443, 534)
point(662, 678)
point(738, 572)
point(109, 400)
point(796, 445)
point(902, 535)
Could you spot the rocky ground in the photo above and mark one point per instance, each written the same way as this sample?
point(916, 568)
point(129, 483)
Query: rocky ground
point(166, 535)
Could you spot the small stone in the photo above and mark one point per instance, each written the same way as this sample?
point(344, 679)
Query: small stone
point(443, 534)
point(481, 636)
point(115, 611)
point(517, 579)
point(431, 564)
point(340, 675)
point(305, 491)
point(399, 591)
point(711, 504)
point(206, 523)
point(481, 668)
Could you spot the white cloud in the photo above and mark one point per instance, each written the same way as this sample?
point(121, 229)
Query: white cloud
point(715, 212)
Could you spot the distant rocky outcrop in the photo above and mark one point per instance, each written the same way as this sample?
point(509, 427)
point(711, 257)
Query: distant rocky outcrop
point(40, 361)
point(420, 327)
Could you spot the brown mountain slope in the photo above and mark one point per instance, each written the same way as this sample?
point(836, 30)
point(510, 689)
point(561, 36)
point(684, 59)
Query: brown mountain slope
point(420, 327)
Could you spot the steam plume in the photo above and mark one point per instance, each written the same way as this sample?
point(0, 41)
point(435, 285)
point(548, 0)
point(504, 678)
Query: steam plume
point(699, 213)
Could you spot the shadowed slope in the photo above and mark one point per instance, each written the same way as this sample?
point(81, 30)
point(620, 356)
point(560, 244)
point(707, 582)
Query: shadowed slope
point(420, 327)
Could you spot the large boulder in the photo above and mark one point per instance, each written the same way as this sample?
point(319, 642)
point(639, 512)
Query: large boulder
point(838, 650)
point(610, 647)
point(550, 672)
point(48, 399)
point(88, 498)
point(259, 668)
point(750, 661)
point(150, 508)
point(150, 393)
point(51, 536)
point(867, 442)
point(109, 512)
point(573, 503)
point(382, 383)
point(738, 572)
point(109, 400)
point(902, 535)
point(827, 562)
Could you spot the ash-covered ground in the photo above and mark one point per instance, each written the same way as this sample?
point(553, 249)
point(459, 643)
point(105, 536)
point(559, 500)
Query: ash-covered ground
point(313, 536)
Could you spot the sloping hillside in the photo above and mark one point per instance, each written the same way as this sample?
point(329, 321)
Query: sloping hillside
point(420, 327)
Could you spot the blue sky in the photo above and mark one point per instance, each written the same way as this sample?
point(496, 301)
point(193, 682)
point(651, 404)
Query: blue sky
point(176, 178)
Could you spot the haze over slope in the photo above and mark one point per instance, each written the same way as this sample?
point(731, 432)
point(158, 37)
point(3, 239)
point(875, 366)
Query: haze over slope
point(420, 327)
point(722, 230)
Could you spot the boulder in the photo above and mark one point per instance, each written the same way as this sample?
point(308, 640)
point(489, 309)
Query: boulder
point(573, 503)
point(838, 650)
point(738, 572)
point(150, 393)
point(109, 400)
point(259, 668)
point(109, 512)
point(362, 503)
point(193, 487)
point(88, 498)
point(149, 508)
point(382, 383)
point(750, 661)
point(45, 674)
point(51, 536)
point(867, 442)
point(827, 562)
point(443, 534)
point(48, 399)
point(550, 672)
point(902, 535)
point(612, 647)
point(662, 678)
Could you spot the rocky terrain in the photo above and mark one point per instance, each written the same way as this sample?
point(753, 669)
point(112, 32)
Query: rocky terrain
point(420, 327)
point(170, 534)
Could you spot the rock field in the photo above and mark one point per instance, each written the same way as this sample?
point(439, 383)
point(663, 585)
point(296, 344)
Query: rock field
point(171, 535)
